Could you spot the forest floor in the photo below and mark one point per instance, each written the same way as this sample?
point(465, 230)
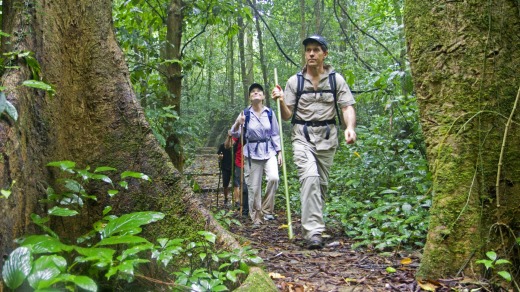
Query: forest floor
point(335, 267)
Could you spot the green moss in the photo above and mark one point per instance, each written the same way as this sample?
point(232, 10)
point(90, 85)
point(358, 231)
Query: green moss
point(258, 280)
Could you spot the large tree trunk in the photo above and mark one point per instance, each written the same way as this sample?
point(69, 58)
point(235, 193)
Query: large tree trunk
point(93, 119)
point(465, 61)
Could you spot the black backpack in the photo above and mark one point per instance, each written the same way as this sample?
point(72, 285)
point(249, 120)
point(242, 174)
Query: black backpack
point(299, 92)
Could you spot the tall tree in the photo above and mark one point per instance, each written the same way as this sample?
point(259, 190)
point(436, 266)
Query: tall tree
point(231, 67)
point(465, 61)
point(303, 30)
point(173, 53)
point(93, 119)
point(242, 55)
point(263, 63)
point(209, 47)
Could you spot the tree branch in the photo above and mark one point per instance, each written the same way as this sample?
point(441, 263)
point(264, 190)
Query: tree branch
point(193, 38)
point(358, 58)
point(367, 34)
point(272, 34)
point(158, 12)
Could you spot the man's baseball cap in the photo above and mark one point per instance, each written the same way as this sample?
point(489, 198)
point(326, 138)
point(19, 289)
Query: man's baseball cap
point(255, 85)
point(317, 39)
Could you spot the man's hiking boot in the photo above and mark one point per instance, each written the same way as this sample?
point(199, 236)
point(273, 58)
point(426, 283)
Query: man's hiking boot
point(315, 242)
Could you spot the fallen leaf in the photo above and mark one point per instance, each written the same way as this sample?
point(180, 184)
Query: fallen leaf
point(427, 286)
point(406, 261)
point(283, 226)
point(276, 276)
point(391, 270)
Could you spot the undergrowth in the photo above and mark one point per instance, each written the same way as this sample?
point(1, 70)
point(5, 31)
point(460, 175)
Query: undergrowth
point(112, 252)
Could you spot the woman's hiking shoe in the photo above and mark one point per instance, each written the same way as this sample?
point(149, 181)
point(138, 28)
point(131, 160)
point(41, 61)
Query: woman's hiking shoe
point(268, 217)
point(315, 242)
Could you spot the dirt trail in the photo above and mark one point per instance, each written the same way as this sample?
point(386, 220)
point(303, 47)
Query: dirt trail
point(336, 267)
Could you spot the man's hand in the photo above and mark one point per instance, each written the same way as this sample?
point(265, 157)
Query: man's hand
point(277, 93)
point(350, 136)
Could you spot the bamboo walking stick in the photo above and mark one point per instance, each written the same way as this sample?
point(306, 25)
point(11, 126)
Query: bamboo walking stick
point(242, 170)
point(288, 205)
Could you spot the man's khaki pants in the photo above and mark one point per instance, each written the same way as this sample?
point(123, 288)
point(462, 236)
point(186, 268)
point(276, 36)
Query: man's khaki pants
point(313, 172)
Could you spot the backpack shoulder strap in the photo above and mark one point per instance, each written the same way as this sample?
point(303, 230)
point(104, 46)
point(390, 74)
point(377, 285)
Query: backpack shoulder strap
point(247, 114)
point(332, 83)
point(299, 91)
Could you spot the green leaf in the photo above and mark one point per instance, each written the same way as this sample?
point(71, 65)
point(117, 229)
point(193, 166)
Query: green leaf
point(17, 267)
point(195, 186)
point(208, 236)
point(134, 175)
point(3, 102)
point(203, 256)
point(63, 165)
point(104, 168)
point(44, 244)
point(491, 255)
point(106, 210)
point(39, 85)
point(486, 263)
point(231, 276)
point(129, 222)
point(95, 253)
point(85, 283)
point(136, 249)
point(112, 193)
point(62, 212)
point(123, 239)
point(124, 184)
point(11, 110)
point(73, 185)
point(502, 261)
point(5, 193)
point(505, 275)
point(390, 270)
point(46, 268)
point(388, 191)
point(102, 177)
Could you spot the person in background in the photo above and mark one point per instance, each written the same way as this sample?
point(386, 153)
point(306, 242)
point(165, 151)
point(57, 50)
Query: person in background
point(225, 163)
point(314, 134)
point(239, 198)
point(262, 138)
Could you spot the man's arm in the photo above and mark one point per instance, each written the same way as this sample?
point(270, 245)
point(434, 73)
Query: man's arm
point(349, 116)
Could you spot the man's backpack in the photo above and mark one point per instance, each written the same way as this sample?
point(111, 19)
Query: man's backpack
point(300, 91)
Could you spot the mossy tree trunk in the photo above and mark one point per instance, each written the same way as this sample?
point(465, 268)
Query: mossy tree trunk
point(93, 119)
point(465, 61)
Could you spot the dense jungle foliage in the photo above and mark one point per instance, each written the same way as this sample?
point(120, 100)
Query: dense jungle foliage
point(379, 187)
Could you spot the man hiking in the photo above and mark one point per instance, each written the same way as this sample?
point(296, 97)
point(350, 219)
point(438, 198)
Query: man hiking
point(313, 98)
